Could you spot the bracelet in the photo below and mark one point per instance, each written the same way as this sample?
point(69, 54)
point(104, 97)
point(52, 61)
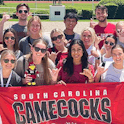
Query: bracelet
point(97, 58)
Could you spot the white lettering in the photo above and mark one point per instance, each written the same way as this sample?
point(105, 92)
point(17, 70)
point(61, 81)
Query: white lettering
point(97, 92)
point(77, 93)
point(15, 96)
point(23, 96)
point(55, 94)
point(45, 95)
point(62, 94)
point(104, 92)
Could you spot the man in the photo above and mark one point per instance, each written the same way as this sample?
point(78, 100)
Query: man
point(70, 21)
point(20, 27)
point(103, 28)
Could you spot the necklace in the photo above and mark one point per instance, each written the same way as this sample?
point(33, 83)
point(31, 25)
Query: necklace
point(8, 81)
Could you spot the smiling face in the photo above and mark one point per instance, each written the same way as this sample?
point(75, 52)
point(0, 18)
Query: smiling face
point(22, 13)
point(70, 23)
point(101, 15)
point(109, 43)
point(38, 54)
point(35, 27)
point(86, 37)
point(120, 29)
point(9, 39)
point(58, 39)
point(76, 52)
point(118, 55)
point(9, 65)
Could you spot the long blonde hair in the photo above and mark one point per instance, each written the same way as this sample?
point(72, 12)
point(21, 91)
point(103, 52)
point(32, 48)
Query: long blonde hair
point(36, 18)
point(44, 60)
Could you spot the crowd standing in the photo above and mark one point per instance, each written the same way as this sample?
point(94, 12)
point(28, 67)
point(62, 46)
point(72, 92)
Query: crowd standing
point(30, 58)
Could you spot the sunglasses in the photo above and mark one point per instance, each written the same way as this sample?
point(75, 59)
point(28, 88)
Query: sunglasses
point(55, 38)
point(25, 11)
point(12, 38)
point(118, 30)
point(110, 43)
point(37, 49)
point(7, 61)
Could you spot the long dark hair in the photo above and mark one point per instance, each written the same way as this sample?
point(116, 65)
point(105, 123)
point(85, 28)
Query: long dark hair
point(45, 62)
point(16, 39)
point(68, 62)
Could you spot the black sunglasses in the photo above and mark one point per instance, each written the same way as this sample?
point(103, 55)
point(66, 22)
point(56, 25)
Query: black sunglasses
point(12, 38)
point(55, 38)
point(25, 11)
point(37, 49)
point(7, 61)
point(111, 44)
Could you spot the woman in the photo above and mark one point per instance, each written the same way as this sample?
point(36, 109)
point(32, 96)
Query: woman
point(33, 68)
point(34, 28)
point(110, 41)
point(113, 71)
point(8, 77)
point(75, 68)
point(89, 38)
point(10, 42)
point(59, 51)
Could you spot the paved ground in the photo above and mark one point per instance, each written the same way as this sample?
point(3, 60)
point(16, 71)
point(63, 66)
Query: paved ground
point(48, 26)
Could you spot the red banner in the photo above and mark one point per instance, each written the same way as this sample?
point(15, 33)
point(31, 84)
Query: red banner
point(96, 103)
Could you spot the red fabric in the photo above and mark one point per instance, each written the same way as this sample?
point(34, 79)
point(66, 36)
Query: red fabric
point(60, 56)
point(100, 31)
point(76, 77)
point(103, 100)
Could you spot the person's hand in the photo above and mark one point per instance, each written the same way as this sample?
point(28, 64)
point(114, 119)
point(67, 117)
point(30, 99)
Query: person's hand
point(61, 82)
point(87, 73)
point(53, 55)
point(92, 23)
point(67, 41)
point(94, 53)
point(54, 73)
point(27, 79)
point(101, 70)
point(6, 17)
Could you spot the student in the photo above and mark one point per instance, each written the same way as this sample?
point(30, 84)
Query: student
point(34, 66)
point(103, 28)
point(75, 68)
point(8, 77)
point(22, 12)
point(88, 37)
point(110, 41)
point(120, 33)
point(34, 27)
point(59, 51)
point(10, 42)
point(112, 71)
point(70, 21)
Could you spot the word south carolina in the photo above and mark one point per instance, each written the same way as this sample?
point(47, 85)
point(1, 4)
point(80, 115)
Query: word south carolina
point(61, 94)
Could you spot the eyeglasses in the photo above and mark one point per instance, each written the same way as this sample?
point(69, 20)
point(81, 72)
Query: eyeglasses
point(110, 43)
point(25, 11)
point(12, 38)
point(37, 49)
point(7, 61)
point(55, 38)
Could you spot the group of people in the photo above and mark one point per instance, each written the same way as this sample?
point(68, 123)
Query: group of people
point(30, 58)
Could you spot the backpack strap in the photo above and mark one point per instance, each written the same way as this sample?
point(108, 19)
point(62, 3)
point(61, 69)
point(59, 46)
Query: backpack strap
point(24, 64)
